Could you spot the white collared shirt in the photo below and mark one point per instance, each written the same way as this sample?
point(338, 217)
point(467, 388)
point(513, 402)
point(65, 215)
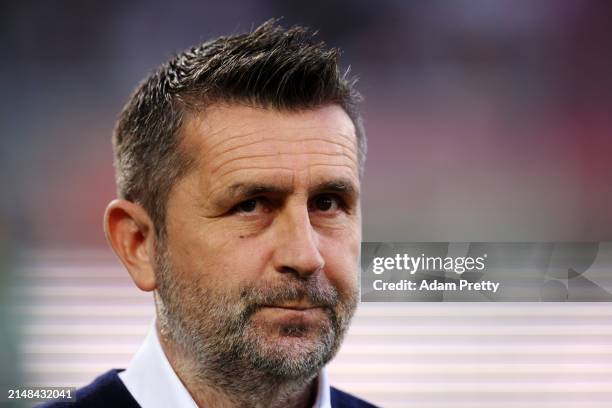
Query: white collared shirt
point(153, 383)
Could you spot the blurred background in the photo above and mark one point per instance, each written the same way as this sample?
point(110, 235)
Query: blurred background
point(487, 121)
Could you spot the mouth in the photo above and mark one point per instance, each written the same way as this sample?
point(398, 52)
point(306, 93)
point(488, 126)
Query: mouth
point(293, 319)
point(297, 306)
point(292, 309)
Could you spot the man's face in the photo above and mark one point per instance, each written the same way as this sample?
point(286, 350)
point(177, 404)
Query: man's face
point(259, 267)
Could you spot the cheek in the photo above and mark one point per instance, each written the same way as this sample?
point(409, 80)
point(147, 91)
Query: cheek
point(226, 261)
point(245, 259)
point(342, 263)
point(196, 260)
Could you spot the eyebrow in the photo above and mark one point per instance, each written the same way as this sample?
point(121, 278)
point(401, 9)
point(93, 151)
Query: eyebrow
point(342, 186)
point(240, 190)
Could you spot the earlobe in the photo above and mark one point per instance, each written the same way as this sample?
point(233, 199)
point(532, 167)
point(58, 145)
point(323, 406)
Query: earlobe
point(130, 232)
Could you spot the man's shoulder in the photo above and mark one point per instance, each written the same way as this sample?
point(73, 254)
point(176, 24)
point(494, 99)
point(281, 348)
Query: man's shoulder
point(341, 399)
point(107, 390)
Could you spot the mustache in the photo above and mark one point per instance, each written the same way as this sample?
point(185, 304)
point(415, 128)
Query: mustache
point(293, 290)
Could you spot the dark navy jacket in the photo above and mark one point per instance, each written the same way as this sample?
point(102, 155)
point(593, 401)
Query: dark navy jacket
point(108, 391)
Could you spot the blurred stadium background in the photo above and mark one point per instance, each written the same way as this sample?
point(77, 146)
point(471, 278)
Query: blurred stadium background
point(487, 121)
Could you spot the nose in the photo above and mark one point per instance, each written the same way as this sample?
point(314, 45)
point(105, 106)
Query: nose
point(297, 251)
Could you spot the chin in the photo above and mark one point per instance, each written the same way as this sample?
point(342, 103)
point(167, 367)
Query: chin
point(293, 351)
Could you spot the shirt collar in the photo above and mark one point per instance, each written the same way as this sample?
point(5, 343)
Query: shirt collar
point(153, 383)
point(151, 379)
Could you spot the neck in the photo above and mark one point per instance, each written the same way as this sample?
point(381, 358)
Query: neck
point(236, 385)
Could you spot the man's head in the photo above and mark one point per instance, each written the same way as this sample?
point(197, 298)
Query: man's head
point(238, 167)
point(273, 68)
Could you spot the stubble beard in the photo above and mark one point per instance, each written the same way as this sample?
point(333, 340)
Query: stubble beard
point(225, 347)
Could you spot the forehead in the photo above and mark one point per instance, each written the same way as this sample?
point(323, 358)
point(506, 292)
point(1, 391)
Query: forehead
point(237, 143)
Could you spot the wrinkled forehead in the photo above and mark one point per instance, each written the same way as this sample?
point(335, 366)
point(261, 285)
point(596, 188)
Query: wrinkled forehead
point(231, 141)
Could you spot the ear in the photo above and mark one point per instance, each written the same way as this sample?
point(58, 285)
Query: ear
point(130, 232)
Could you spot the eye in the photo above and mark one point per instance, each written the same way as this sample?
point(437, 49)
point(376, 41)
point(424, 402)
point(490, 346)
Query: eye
point(248, 206)
point(326, 203)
